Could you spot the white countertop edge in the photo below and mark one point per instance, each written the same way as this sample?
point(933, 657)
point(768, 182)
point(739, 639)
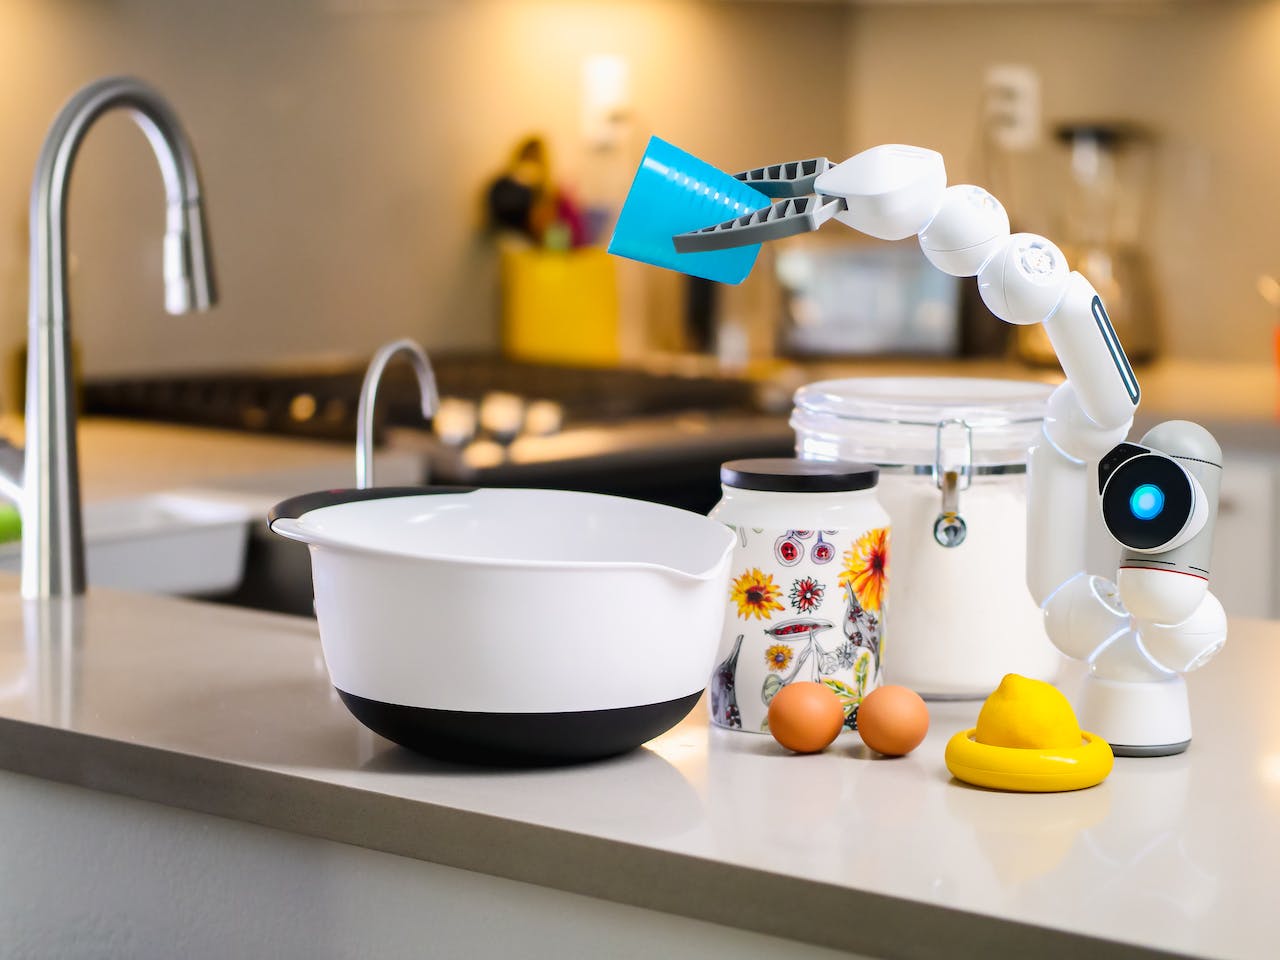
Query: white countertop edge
point(632, 874)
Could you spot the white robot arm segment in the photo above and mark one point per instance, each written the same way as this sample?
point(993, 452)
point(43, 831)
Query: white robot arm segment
point(1189, 645)
point(1083, 614)
point(969, 227)
point(1091, 356)
point(890, 192)
point(1025, 279)
point(1062, 516)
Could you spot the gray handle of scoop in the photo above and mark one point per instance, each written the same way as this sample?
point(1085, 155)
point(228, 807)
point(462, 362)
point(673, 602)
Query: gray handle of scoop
point(787, 218)
point(779, 180)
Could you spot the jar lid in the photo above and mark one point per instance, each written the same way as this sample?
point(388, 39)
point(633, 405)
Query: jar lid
point(788, 475)
point(921, 420)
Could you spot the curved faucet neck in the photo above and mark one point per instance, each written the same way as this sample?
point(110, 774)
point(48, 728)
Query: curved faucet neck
point(430, 399)
point(52, 543)
point(186, 241)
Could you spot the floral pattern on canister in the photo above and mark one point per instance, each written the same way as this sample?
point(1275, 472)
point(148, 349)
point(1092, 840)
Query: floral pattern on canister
point(866, 568)
point(724, 695)
point(778, 657)
point(861, 628)
point(803, 605)
point(756, 595)
point(806, 594)
point(851, 695)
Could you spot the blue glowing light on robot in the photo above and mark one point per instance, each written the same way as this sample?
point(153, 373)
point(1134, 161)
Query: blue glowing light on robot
point(1147, 501)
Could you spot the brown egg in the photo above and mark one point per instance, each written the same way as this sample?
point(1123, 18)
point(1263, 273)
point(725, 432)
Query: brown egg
point(892, 720)
point(805, 717)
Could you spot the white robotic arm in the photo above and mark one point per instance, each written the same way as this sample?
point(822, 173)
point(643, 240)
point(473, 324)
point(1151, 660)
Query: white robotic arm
point(1158, 498)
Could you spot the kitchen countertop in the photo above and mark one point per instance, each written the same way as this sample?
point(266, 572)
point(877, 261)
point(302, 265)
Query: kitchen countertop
point(1199, 389)
point(128, 458)
point(230, 712)
point(1239, 403)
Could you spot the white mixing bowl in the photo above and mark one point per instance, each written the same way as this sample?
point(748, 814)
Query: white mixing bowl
point(513, 625)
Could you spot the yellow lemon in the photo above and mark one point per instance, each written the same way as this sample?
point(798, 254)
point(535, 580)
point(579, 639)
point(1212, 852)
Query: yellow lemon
point(1027, 713)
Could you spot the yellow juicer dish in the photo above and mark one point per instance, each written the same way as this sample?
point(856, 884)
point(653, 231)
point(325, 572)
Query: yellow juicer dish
point(1028, 740)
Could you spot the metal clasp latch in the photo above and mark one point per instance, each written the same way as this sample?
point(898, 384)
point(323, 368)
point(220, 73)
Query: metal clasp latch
point(950, 529)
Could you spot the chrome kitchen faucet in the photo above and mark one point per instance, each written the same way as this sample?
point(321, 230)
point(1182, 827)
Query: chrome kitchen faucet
point(49, 495)
point(369, 394)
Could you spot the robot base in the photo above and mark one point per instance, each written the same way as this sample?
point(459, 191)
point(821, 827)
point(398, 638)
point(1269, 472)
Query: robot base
point(1138, 718)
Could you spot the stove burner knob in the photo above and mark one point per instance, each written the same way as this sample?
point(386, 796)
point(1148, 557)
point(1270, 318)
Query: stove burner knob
point(502, 415)
point(255, 416)
point(455, 421)
point(302, 408)
point(335, 410)
point(543, 418)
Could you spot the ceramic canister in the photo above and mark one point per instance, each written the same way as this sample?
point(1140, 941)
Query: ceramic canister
point(807, 590)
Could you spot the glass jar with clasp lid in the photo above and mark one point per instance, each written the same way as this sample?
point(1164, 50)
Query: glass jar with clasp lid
point(952, 454)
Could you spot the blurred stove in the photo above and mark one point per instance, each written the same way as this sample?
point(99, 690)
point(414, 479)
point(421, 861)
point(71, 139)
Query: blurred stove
point(322, 403)
point(501, 423)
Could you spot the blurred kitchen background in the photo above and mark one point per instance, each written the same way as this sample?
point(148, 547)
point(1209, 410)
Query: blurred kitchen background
point(347, 144)
point(350, 150)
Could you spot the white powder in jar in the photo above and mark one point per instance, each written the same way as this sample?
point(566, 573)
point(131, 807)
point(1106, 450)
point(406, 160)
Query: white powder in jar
point(961, 617)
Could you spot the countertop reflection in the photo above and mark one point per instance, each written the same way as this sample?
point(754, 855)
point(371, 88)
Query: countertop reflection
point(230, 712)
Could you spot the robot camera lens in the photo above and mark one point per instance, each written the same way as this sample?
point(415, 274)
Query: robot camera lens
point(1146, 502)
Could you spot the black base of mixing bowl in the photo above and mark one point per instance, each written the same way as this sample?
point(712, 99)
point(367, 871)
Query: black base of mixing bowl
point(519, 739)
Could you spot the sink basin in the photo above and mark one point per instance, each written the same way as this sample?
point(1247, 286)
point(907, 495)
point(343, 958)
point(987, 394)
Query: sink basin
point(174, 543)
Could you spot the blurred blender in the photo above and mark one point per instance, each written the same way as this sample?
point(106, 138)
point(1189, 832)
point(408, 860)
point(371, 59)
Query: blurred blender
point(1269, 290)
point(1100, 224)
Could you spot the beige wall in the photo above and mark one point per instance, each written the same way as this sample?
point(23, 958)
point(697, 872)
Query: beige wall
point(1205, 75)
point(345, 144)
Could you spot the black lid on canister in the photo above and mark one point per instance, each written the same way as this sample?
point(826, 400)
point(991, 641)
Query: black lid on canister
point(788, 475)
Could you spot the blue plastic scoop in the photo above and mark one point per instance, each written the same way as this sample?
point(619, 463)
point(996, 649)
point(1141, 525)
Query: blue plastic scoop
point(674, 192)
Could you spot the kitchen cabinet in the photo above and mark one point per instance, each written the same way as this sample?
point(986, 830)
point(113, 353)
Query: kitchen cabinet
point(110, 876)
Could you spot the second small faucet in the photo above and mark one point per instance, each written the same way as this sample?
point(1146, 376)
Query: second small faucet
point(430, 399)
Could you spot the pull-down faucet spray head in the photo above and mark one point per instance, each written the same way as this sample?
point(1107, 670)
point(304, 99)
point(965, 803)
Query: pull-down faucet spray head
point(188, 267)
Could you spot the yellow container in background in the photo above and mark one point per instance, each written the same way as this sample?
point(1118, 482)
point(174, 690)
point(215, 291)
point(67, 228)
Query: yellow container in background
point(560, 306)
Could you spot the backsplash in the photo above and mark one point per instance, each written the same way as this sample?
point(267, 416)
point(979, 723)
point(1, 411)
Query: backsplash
point(345, 145)
point(1204, 77)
